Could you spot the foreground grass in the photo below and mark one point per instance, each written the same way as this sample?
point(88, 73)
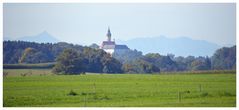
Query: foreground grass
point(120, 90)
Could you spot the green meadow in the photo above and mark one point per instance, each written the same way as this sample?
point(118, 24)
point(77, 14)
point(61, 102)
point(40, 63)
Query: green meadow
point(40, 88)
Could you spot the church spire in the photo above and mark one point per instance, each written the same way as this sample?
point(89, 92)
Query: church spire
point(108, 34)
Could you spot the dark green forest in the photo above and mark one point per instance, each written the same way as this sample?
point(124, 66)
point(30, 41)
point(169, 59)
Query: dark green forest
point(76, 59)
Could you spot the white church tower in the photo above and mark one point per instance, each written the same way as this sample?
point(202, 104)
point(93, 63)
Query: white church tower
point(110, 46)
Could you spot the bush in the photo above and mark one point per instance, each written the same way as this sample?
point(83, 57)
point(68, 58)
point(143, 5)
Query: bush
point(23, 74)
point(226, 94)
point(204, 94)
point(83, 93)
point(72, 93)
point(29, 66)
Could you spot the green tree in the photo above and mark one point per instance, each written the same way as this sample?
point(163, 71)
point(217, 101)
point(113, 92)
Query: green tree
point(140, 66)
point(111, 65)
point(70, 62)
point(224, 58)
point(28, 55)
point(94, 46)
point(201, 63)
point(127, 56)
point(94, 57)
point(164, 63)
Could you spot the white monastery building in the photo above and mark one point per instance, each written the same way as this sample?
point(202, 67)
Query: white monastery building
point(111, 47)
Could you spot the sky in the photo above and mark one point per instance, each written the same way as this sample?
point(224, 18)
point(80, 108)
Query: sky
point(83, 23)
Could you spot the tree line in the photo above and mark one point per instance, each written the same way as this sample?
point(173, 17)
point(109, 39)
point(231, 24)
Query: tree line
point(71, 61)
point(15, 52)
point(223, 59)
point(75, 59)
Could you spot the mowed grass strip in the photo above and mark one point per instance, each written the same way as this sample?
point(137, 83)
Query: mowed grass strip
point(120, 90)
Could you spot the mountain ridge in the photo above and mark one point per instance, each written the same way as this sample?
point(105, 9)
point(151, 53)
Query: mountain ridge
point(43, 37)
point(180, 46)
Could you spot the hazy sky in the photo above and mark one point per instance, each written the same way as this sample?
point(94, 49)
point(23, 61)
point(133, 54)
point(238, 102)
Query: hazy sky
point(88, 23)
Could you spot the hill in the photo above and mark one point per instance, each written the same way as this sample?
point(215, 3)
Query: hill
point(43, 37)
point(182, 46)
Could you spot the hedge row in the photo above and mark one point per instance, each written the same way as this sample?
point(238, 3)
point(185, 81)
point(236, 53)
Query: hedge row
point(29, 66)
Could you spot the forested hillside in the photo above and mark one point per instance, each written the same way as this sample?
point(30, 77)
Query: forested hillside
point(96, 60)
point(70, 58)
point(31, 52)
point(222, 59)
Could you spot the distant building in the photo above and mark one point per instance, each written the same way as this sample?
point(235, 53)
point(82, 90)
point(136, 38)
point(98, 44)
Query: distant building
point(111, 47)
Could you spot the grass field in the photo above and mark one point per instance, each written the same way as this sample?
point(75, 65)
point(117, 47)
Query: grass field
point(41, 88)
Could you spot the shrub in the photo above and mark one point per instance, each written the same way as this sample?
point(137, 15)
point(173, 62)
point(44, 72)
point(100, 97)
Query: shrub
point(29, 66)
point(226, 94)
point(204, 94)
point(83, 93)
point(72, 93)
point(23, 74)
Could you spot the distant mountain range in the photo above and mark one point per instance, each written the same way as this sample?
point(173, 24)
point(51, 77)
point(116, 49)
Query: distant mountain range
point(181, 46)
point(43, 37)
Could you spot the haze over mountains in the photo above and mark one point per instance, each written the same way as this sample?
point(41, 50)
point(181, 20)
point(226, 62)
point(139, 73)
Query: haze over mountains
point(181, 46)
point(43, 37)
